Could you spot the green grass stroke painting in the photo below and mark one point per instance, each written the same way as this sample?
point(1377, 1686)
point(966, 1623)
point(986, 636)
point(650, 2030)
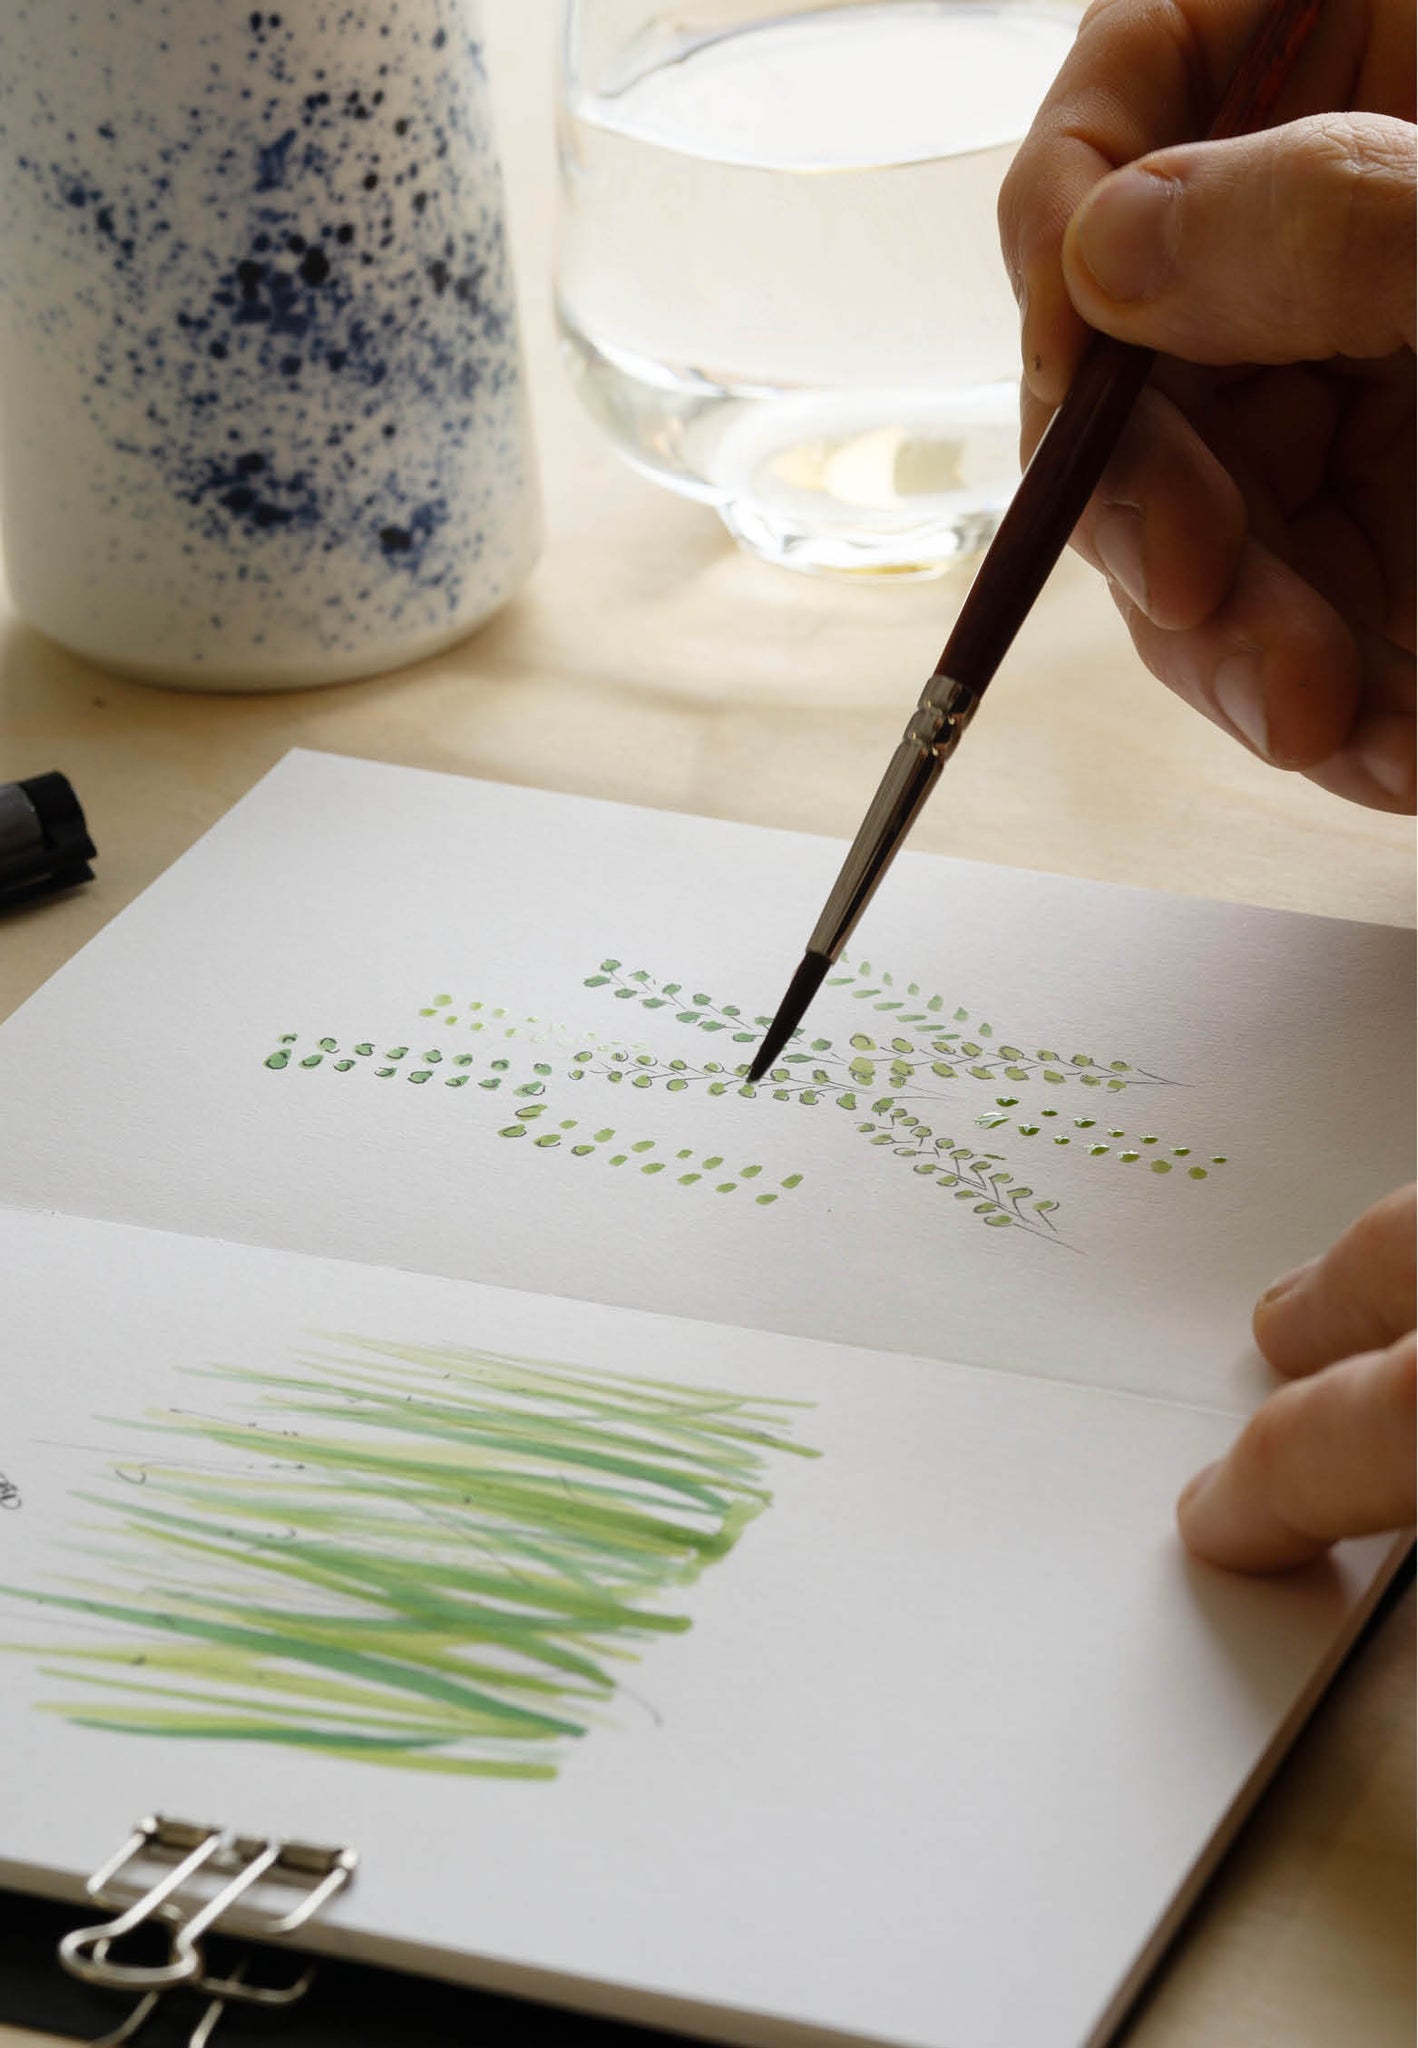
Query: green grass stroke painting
point(428, 1557)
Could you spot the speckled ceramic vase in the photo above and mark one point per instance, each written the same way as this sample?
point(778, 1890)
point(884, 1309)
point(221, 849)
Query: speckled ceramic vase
point(263, 417)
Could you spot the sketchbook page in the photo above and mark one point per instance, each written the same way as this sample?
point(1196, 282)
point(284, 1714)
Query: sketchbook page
point(642, 1660)
point(409, 1019)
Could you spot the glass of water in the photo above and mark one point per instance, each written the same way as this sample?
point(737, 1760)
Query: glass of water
point(779, 284)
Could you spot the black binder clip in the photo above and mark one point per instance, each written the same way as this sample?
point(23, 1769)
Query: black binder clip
point(44, 842)
point(195, 1881)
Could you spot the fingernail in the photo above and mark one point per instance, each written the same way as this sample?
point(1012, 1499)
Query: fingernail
point(1286, 1284)
point(1194, 1487)
point(1127, 232)
point(1118, 539)
point(1236, 688)
point(1391, 767)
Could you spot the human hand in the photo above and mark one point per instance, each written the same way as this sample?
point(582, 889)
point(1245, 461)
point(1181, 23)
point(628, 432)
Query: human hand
point(1257, 521)
point(1332, 1454)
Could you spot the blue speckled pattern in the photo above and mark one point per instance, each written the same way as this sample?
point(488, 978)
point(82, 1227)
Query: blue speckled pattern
point(262, 409)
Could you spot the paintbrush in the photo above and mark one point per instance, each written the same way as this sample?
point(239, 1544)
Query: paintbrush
point(1035, 529)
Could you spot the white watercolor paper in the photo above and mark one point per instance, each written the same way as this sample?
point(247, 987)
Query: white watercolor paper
point(953, 1699)
point(342, 899)
point(405, 1058)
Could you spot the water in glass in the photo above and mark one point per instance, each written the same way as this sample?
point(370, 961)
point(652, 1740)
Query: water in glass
point(779, 280)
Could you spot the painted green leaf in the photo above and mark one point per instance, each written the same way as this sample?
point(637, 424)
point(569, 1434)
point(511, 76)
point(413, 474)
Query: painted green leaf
point(513, 1131)
point(846, 1101)
point(946, 1073)
point(596, 980)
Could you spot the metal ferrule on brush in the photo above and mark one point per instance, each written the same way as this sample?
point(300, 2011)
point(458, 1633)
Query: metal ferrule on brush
point(931, 737)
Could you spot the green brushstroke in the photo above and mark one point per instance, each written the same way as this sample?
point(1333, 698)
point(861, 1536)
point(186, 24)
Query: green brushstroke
point(424, 1556)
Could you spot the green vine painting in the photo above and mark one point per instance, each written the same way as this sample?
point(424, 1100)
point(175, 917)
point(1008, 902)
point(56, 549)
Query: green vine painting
point(903, 1063)
point(426, 1557)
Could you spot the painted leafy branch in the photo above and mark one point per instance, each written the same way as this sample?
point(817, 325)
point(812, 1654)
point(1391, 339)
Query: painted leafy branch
point(530, 1116)
point(431, 1557)
point(969, 1051)
point(886, 1080)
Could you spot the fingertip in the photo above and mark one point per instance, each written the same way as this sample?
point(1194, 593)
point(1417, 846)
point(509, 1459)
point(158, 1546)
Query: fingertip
point(1052, 337)
point(1222, 1521)
point(1274, 1315)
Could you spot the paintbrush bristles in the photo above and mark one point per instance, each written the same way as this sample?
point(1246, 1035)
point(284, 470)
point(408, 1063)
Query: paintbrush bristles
point(801, 990)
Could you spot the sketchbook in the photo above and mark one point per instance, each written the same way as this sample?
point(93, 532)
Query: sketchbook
point(710, 1549)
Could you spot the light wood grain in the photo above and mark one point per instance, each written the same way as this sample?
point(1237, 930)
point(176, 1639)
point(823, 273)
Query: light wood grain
point(649, 662)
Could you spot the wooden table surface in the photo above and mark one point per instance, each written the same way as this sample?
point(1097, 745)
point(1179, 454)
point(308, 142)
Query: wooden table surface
point(650, 663)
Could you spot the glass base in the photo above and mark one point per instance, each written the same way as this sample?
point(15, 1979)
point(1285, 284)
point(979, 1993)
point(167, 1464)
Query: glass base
point(892, 482)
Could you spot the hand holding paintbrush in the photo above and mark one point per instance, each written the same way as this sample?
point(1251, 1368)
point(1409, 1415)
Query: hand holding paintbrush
point(1058, 484)
point(1256, 523)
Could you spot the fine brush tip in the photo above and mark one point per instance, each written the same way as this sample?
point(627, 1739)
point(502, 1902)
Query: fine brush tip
point(801, 990)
